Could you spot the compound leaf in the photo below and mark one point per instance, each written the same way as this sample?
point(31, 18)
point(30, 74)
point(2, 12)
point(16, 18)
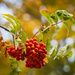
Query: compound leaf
point(56, 31)
point(67, 26)
point(48, 45)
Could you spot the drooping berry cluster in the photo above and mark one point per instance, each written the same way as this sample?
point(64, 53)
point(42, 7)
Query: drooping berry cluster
point(16, 53)
point(35, 53)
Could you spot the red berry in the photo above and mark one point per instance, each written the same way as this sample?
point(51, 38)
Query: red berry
point(27, 40)
point(30, 44)
point(31, 40)
point(34, 39)
point(17, 58)
point(32, 47)
point(13, 51)
point(41, 44)
point(28, 47)
point(44, 46)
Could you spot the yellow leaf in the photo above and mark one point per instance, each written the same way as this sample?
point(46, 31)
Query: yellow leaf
point(46, 60)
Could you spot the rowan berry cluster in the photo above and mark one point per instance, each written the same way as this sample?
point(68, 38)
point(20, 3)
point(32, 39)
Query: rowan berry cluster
point(35, 53)
point(18, 54)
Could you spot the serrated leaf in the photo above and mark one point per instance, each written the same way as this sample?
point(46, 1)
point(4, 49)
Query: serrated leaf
point(72, 20)
point(48, 45)
point(67, 26)
point(11, 27)
point(68, 51)
point(16, 69)
point(70, 54)
point(41, 36)
point(61, 51)
point(23, 36)
point(53, 50)
point(10, 21)
point(56, 31)
point(14, 21)
point(12, 31)
point(46, 14)
point(54, 17)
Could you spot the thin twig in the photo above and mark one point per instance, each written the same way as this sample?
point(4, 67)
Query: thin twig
point(13, 40)
point(47, 27)
point(4, 28)
point(35, 34)
point(9, 31)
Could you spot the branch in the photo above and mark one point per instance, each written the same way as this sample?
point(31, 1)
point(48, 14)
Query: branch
point(46, 27)
point(4, 28)
point(9, 31)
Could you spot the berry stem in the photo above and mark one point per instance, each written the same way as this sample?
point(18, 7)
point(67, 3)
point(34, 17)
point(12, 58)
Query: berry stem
point(13, 40)
point(46, 27)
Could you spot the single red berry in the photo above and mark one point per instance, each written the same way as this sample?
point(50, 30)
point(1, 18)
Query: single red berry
point(41, 44)
point(22, 58)
point(34, 39)
point(45, 52)
point(13, 51)
point(32, 47)
point(27, 44)
point(17, 58)
point(30, 44)
point(36, 49)
point(44, 46)
point(9, 51)
point(31, 40)
point(28, 47)
point(43, 64)
point(27, 40)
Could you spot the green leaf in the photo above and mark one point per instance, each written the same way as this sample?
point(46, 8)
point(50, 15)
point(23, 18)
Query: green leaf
point(72, 20)
point(56, 31)
point(46, 30)
point(11, 27)
point(41, 36)
point(23, 36)
point(11, 58)
point(54, 17)
point(46, 14)
point(12, 31)
point(70, 54)
point(14, 21)
point(16, 69)
point(53, 50)
point(67, 26)
point(68, 51)
point(61, 51)
point(48, 45)
point(13, 63)
point(10, 21)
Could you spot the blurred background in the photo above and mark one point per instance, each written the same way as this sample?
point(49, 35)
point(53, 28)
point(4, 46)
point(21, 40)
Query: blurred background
point(27, 11)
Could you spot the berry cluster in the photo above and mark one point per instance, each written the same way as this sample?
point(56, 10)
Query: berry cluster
point(35, 53)
point(18, 54)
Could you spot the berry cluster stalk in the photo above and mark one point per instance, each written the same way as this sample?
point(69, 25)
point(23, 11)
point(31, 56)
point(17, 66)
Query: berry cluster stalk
point(47, 27)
